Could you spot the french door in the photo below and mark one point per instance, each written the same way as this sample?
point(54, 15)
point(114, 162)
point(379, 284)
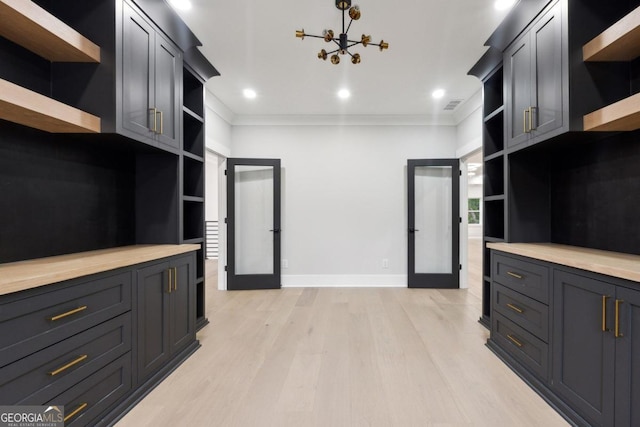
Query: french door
point(253, 224)
point(434, 223)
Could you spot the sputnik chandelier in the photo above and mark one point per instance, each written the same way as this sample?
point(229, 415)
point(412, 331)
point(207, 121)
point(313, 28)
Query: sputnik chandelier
point(342, 41)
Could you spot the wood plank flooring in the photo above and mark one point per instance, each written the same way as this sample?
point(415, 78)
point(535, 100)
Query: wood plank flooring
point(342, 357)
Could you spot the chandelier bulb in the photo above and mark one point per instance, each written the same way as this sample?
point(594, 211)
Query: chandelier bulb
point(365, 40)
point(354, 13)
point(383, 45)
point(322, 55)
point(300, 34)
point(335, 59)
point(355, 59)
point(328, 35)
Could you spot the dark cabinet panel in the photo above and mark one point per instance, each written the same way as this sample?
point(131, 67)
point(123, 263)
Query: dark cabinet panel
point(151, 82)
point(166, 312)
point(627, 358)
point(584, 353)
point(138, 58)
point(534, 81)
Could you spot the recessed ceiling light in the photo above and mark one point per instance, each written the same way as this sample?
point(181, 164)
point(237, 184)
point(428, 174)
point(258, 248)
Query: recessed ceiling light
point(249, 93)
point(181, 4)
point(504, 4)
point(344, 94)
point(438, 93)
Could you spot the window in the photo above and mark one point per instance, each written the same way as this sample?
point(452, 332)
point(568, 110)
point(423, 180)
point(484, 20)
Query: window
point(474, 211)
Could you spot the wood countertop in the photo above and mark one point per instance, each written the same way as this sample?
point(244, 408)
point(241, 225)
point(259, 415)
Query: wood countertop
point(623, 266)
point(23, 275)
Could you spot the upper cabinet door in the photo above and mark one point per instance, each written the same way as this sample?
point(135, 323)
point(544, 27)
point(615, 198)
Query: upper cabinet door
point(546, 72)
point(533, 82)
point(517, 80)
point(138, 53)
point(168, 99)
point(151, 83)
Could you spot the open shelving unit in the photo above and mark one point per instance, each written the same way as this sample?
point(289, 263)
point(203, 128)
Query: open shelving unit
point(618, 43)
point(192, 158)
point(28, 25)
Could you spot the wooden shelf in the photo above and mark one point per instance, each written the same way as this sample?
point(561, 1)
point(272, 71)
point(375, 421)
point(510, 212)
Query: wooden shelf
point(623, 115)
point(619, 42)
point(33, 28)
point(20, 105)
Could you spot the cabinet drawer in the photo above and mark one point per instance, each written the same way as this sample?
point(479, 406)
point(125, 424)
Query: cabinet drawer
point(525, 277)
point(32, 323)
point(523, 346)
point(525, 312)
point(41, 376)
point(89, 398)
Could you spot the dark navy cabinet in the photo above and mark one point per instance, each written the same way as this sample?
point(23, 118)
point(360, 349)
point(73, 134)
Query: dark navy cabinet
point(166, 312)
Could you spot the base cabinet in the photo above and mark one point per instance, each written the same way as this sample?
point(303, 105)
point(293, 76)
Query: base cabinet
point(584, 345)
point(166, 312)
point(97, 344)
point(593, 323)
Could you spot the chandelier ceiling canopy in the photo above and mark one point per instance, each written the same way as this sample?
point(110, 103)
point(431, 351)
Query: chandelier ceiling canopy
point(342, 41)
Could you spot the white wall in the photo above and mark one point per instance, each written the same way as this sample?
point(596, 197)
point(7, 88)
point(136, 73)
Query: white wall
point(211, 186)
point(344, 196)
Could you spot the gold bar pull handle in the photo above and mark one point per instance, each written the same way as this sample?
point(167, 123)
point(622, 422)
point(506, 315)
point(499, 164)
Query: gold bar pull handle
point(68, 313)
point(154, 111)
point(67, 366)
point(175, 278)
point(170, 282)
point(515, 341)
point(604, 312)
point(516, 275)
point(531, 127)
point(76, 411)
point(161, 123)
point(524, 121)
point(515, 308)
point(618, 334)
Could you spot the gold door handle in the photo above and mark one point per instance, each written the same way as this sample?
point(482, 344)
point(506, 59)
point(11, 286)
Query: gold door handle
point(161, 123)
point(515, 308)
point(175, 278)
point(531, 109)
point(75, 411)
point(512, 274)
point(524, 121)
point(170, 281)
point(68, 313)
point(67, 366)
point(604, 313)
point(154, 129)
point(618, 334)
point(515, 341)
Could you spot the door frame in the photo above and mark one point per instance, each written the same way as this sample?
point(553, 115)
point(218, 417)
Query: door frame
point(434, 280)
point(253, 281)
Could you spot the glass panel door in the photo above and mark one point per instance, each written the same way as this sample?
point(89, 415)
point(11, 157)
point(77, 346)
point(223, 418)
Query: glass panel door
point(434, 223)
point(253, 223)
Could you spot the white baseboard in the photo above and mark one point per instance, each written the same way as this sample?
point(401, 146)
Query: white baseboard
point(344, 281)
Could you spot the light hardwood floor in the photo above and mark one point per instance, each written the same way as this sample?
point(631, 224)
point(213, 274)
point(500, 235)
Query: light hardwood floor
point(343, 357)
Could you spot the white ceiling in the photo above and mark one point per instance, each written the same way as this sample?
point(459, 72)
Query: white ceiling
point(432, 44)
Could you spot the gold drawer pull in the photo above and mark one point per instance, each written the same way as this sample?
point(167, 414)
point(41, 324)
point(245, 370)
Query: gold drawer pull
point(68, 365)
point(68, 313)
point(516, 309)
point(75, 412)
point(175, 278)
point(515, 341)
point(618, 334)
point(604, 312)
point(170, 284)
point(154, 111)
point(512, 274)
